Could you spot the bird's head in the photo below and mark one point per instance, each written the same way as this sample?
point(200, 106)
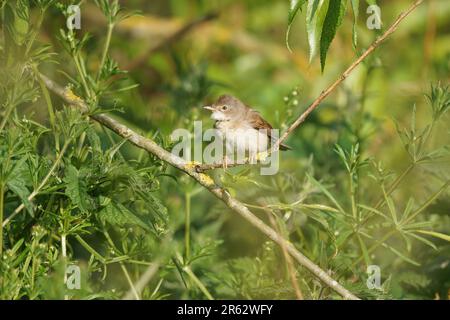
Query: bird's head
point(226, 108)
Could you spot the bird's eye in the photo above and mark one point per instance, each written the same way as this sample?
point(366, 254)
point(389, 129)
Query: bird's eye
point(224, 108)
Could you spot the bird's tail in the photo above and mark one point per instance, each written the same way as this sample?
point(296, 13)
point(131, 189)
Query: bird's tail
point(284, 147)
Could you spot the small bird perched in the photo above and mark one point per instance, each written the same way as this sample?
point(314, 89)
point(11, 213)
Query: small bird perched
point(242, 127)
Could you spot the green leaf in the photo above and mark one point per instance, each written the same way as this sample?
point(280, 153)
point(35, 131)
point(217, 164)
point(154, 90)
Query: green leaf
point(17, 19)
point(117, 214)
point(364, 250)
point(295, 7)
point(76, 188)
point(368, 208)
point(355, 9)
point(439, 235)
point(402, 256)
point(336, 11)
point(316, 12)
point(326, 192)
point(17, 183)
point(422, 239)
point(155, 204)
point(18, 186)
point(94, 139)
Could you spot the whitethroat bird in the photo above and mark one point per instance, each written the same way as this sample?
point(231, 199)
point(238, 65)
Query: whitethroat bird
point(241, 127)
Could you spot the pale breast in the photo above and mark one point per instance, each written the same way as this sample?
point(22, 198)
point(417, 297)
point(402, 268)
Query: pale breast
point(244, 140)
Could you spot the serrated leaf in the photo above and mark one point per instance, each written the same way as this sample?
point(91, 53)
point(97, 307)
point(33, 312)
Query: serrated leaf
point(18, 186)
point(155, 204)
point(94, 139)
point(316, 12)
point(17, 183)
point(117, 214)
point(76, 188)
point(333, 19)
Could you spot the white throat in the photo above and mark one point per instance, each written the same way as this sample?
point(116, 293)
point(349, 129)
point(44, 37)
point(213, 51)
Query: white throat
point(219, 116)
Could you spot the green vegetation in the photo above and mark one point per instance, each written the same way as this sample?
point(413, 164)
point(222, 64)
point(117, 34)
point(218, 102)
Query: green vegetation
point(367, 181)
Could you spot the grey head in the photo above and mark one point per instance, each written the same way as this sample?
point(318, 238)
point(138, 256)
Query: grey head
point(227, 108)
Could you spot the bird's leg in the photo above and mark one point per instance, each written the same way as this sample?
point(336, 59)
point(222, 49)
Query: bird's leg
point(252, 157)
point(225, 162)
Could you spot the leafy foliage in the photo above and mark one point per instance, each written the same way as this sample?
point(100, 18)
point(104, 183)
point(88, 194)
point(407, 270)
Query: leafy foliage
point(323, 18)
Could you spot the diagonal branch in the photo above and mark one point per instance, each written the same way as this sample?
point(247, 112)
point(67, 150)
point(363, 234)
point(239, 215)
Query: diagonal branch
point(205, 180)
point(328, 91)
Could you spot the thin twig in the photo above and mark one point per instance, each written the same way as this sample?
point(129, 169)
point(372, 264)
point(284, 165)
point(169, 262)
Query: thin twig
point(205, 180)
point(142, 282)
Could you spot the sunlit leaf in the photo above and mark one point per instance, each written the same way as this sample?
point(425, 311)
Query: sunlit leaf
point(439, 235)
point(315, 16)
point(335, 13)
point(294, 8)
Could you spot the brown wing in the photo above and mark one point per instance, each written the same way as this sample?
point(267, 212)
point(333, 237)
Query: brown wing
point(257, 122)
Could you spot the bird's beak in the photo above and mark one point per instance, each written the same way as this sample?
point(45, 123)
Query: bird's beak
point(208, 108)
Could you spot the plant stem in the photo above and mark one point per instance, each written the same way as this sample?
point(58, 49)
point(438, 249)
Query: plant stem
point(197, 281)
point(130, 282)
point(353, 198)
point(105, 49)
point(374, 246)
point(143, 280)
point(41, 185)
point(289, 264)
point(50, 108)
point(122, 265)
point(91, 250)
point(205, 181)
point(82, 76)
point(8, 111)
point(391, 189)
point(428, 202)
point(2, 195)
point(64, 258)
point(412, 216)
point(187, 227)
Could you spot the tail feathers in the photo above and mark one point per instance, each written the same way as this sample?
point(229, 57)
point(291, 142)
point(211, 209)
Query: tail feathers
point(284, 147)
